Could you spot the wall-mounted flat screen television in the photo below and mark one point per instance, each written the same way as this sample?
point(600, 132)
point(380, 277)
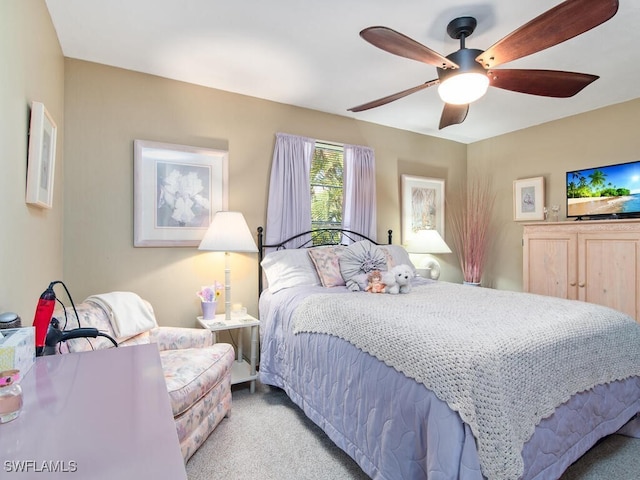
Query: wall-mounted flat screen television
point(609, 191)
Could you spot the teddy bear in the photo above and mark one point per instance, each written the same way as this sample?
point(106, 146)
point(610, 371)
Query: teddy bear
point(398, 279)
point(375, 284)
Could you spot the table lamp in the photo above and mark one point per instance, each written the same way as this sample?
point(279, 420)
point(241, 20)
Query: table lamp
point(228, 233)
point(428, 242)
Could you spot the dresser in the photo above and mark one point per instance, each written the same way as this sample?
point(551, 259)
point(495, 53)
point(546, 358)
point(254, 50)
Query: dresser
point(595, 261)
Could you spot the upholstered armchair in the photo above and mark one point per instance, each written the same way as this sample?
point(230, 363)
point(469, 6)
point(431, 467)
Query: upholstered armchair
point(197, 371)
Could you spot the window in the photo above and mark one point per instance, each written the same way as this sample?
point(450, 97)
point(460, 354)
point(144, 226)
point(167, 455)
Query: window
point(327, 168)
point(318, 184)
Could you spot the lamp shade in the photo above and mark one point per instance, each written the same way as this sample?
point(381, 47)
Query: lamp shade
point(228, 232)
point(427, 241)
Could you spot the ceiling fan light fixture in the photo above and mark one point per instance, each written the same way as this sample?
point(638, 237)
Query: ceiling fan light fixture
point(463, 88)
point(462, 75)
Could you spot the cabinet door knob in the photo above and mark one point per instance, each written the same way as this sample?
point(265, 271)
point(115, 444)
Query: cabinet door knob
point(572, 284)
point(581, 284)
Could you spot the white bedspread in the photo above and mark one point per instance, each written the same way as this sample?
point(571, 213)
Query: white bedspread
point(503, 360)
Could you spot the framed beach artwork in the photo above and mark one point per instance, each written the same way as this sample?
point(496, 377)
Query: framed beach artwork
point(528, 199)
point(177, 190)
point(422, 206)
point(41, 162)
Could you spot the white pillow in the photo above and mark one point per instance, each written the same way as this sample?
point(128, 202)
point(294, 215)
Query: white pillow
point(289, 268)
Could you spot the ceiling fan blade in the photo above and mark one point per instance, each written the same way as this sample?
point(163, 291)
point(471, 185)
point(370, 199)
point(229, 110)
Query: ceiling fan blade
point(565, 21)
point(399, 44)
point(452, 115)
point(546, 83)
point(391, 98)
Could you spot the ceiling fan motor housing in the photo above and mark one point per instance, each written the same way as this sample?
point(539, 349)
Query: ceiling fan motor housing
point(464, 85)
point(465, 58)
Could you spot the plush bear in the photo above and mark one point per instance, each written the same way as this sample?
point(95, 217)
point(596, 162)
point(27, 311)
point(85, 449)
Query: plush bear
point(398, 279)
point(375, 282)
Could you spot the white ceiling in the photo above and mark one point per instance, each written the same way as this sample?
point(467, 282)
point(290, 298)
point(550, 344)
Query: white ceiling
point(309, 54)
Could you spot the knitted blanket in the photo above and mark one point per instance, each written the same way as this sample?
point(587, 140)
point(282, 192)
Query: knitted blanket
point(129, 314)
point(503, 360)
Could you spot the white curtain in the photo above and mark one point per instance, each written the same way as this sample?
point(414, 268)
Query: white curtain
point(359, 183)
point(289, 204)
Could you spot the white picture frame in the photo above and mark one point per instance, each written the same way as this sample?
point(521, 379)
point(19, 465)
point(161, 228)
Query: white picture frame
point(177, 191)
point(423, 201)
point(528, 199)
point(41, 161)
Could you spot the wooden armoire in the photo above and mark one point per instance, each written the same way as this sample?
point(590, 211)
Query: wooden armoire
point(595, 261)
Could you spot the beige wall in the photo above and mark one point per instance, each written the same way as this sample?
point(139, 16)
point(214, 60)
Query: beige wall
point(107, 108)
point(30, 237)
point(100, 111)
point(605, 136)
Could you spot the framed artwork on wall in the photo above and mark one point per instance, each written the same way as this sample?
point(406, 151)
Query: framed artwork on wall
point(528, 199)
point(177, 190)
point(422, 205)
point(41, 162)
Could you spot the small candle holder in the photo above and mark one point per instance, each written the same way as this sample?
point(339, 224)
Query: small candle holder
point(10, 395)
point(238, 311)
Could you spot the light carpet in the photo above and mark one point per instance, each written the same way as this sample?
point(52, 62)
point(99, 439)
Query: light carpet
point(268, 437)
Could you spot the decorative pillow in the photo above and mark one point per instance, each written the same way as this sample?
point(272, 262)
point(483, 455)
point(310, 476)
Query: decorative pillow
point(289, 268)
point(396, 255)
point(326, 260)
point(357, 260)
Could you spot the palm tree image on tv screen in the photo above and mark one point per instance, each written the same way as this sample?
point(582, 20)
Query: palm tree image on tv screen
point(607, 191)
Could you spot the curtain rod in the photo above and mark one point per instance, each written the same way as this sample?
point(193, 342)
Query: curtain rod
point(327, 142)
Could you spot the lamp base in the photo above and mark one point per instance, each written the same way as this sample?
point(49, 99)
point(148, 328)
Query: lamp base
point(227, 286)
point(430, 268)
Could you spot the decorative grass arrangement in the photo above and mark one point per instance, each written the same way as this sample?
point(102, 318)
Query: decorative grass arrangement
point(470, 220)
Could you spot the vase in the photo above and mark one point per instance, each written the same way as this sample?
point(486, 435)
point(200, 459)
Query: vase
point(209, 310)
point(472, 284)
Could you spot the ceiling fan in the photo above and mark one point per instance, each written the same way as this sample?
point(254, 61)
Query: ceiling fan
point(465, 75)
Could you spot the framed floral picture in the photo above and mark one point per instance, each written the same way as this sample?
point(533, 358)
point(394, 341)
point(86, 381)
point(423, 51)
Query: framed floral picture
point(528, 199)
point(41, 162)
point(422, 206)
point(177, 190)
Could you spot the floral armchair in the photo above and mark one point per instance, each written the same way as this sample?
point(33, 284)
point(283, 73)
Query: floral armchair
point(197, 371)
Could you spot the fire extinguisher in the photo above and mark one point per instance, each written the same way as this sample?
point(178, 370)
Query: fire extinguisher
point(44, 312)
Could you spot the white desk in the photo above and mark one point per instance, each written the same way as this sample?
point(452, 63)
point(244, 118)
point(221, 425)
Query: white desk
point(104, 414)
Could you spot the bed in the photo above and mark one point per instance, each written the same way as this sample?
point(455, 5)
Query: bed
point(447, 381)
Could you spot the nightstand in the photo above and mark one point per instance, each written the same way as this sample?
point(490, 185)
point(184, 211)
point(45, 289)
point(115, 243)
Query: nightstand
point(241, 371)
